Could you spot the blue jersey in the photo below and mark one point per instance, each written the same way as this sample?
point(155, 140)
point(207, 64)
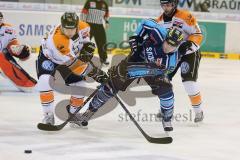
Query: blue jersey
point(152, 50)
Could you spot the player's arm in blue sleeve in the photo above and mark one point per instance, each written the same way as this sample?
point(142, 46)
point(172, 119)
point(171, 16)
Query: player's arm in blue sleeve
point(146, 26)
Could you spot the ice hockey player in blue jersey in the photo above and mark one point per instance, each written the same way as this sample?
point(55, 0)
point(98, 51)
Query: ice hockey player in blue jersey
point(155, 48)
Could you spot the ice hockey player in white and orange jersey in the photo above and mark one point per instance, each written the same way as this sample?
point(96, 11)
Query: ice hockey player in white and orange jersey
point(189, 64)
point(10, 47)
point(67, 45)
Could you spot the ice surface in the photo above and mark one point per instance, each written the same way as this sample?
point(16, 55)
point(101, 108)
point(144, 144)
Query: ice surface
point(108, 138)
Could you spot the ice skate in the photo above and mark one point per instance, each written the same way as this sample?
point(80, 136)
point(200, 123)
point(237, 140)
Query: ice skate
point(75, 121)
point(167, 125)
point(199, 117)
point(48, 119)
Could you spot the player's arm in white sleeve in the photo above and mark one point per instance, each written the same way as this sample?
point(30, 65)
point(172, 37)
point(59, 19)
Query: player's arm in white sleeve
point(195, 36)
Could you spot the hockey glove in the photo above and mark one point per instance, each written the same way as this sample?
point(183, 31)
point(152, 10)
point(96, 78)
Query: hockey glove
point(20, 51)
point(86, 53)
point(119, 71)
point(184, 47)
point(134, 42)
point(98, 75)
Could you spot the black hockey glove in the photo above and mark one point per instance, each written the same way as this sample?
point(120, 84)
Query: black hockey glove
point(135, 42)
point(119, 71)
point(184, 47)
point(86, 53)
point(98, 75)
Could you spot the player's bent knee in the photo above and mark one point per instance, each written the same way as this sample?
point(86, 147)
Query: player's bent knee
point(44, 82)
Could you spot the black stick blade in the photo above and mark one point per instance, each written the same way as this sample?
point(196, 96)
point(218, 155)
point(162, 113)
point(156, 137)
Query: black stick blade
point(163, 140)
point(48, 127)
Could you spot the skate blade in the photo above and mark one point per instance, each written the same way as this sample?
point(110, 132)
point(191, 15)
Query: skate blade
point(198, 124)
point(168, 133)
point(73, 125)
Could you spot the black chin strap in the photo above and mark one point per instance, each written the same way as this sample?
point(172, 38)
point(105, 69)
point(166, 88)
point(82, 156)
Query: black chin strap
point(168, 17)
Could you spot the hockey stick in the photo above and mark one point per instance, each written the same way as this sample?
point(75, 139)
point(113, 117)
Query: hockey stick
point(48, 127)
point(163, 140)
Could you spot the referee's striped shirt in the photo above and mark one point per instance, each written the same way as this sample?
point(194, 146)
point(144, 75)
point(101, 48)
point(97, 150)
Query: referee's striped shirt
point(95, 11)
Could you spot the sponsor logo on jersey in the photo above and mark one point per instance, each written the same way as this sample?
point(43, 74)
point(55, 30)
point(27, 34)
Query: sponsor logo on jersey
point(149, 53)
point(9, 31)
point(48, 65)
point(185, 67)
point(178, 24)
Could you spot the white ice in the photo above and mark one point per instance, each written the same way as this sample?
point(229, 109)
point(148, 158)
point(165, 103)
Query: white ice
point(218, 138)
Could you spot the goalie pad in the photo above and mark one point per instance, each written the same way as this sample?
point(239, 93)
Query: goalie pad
point(16, 73)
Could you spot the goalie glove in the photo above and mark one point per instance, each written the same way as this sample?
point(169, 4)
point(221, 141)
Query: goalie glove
point(20, 51)
point(86, 53)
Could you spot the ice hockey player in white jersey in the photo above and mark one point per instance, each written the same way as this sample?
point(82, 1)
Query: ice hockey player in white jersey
point(189, 64)
point(10, 47)
point(67, 45)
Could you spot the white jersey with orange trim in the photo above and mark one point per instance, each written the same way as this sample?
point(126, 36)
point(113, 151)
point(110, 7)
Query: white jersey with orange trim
point(62, 50)
point(186, 22)
point(7, 36)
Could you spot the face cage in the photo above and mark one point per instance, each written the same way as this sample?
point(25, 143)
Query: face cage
point(173, 5)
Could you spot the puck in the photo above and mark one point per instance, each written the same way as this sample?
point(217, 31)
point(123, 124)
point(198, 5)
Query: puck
point(27, 151)
point(84, 123)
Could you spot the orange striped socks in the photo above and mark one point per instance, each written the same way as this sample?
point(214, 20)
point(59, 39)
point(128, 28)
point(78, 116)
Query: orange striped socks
point(47, 99)
point(75, 102)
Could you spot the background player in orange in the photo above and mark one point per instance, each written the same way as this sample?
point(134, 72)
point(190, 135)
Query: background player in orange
point(10, 47)
point(67, 45)
point(189, 64)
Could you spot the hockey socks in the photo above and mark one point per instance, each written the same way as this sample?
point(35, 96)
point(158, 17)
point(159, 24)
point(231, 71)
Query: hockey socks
point(102, 96)
point(75, 102)
point(167, 105)
point(194, 94)
point(47, 101)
